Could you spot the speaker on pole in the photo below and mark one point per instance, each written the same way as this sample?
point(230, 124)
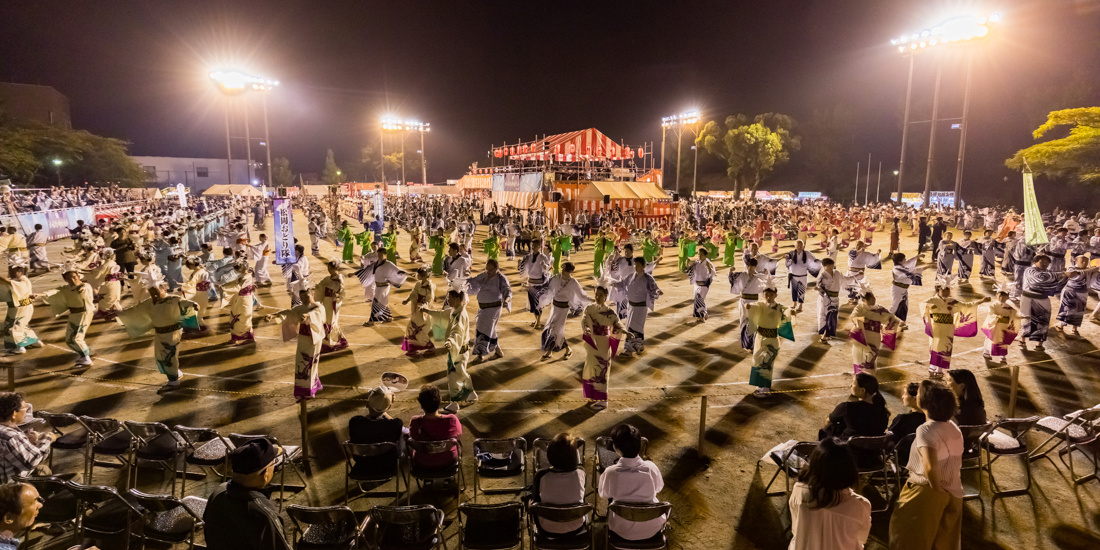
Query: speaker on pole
point(557, 196)
point(607, 199)
point(675, 196)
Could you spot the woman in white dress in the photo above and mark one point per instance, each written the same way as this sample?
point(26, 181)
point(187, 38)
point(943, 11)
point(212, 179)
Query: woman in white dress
point(565, 293)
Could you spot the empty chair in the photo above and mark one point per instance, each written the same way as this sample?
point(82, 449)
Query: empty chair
point(288, 454)
point(372, 462)
point(639, 512)
point(169, 519)
point(110, 439)
point(790, 462)
point(1008, 438)
point(500, 459)
point(102, 511)
point(560, 513)
point(490, 526)
point(206, 448)
point(872, 455)
point(404, 527)
point(59, 504)
point(325, 528)
point(1074, 432)
point(433, 472)
point(72, 435)
point(154, 442)
point(538, 449)
point(973, 438)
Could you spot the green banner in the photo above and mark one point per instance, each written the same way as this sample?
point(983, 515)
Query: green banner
point(1036, 234)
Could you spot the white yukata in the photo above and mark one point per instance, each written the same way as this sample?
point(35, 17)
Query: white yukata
point(564, 296)
point(701, 274)
point(828, 305)
point(297, 277)
point(493, 294)
point(535, 266)
point(641, 295)
point(259, 253)
point(458, 270)
point(873, 327)
point(858, 261)
point(306, 324)
point(905, 276)
point(383, 275)
point(36, 245)
point(749, 287)
point(988, 249)
point(798, 267)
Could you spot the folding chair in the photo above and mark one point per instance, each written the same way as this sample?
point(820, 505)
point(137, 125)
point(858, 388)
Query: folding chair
point(77, 438)
point(872, 460)
point(287, 456)
point(560, 513)
point(1091, 429)
point(1008, 438)
point(789, 463)
point(169, 519)
point(973, 441)
point(636, 511)
point(154, 442)
point(1073, 432)
point(326, 528)
point(490, 526)
point(370, 462)
point(206, 448)
point(901, 463)
point(102, 511)
point(59, 506)
point(500, 459)
point(110, 438)
point(404, 527)
point(538, 449)
point(451, 470)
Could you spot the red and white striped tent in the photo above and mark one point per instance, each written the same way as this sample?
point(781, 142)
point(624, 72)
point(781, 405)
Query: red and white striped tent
point(577, 146)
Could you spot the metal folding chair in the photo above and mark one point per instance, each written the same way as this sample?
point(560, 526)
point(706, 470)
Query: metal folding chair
point(169, 519)
point(490, 526)
point(154, 442)
point(973, 441)
point(367, 462)
point(873, 460)
point(787, 463)
point(288, 454)
point(326, 528)
point(72, 435)
point(404, 527)
point(638, 511)
point(500, 459)
point(1008, 438)
point(206, 448)
point(563, 513)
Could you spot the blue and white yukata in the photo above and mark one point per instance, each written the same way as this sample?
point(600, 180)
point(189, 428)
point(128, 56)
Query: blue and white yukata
point(799, 265)
point(1037, 286)
point(492, 295)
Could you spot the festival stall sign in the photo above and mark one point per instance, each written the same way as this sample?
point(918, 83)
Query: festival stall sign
point(56, 223)
point(942, 198)
point(284, 232)
point(915, 199)
point(809, 195)
point(781, 195)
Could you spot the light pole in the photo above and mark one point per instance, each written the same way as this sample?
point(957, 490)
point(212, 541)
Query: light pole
point(57, 166)
point(390, 124)
point(678, 123)
point(234, 83)
point(957, 29)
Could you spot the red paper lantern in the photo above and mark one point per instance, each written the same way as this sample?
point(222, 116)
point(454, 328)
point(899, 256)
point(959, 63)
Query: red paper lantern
point(572, 148)
point(512, 150)
point(641, 153)
point(588, 149)
point(557, 149)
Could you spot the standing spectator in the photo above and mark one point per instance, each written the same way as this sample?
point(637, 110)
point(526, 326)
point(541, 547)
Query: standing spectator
point(826, 514)
point(239, 516)
point(433, 426)
point(928, 513)
point(19, 505)
point(631, 479)
point(563, 483)
point(937, 235)
point(971, 410)
point(923, 232)
point(21, 452)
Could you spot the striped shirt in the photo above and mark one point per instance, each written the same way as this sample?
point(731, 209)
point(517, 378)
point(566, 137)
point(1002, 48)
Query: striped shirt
point(947, 440)
point(18, 456)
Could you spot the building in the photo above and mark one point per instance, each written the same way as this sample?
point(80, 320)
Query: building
point(197, 174)
point(33, 103)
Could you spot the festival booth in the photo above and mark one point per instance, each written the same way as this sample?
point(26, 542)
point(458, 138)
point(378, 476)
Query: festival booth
point(358, 189)
point(522, 191)
point(237, 190)
point(477, 184)
point(648, 201)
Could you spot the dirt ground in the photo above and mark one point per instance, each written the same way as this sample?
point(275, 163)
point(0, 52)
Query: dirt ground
point(717, 492)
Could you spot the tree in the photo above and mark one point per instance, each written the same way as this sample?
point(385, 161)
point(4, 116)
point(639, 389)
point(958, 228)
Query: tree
point(281, 173)
point(752, 151)
point(392, 163)
point(28, 149)
point(331, 174)
point(1077, 155)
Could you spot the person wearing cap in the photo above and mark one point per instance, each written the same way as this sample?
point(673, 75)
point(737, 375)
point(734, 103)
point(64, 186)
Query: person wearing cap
point(239, 515)
point(769, 321)
point(19, 296)
point(377, 427)
point(77, 298)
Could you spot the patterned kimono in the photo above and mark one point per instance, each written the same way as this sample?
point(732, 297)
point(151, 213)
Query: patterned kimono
point(989, 249)
point(1037, 286)
point(1022, 254)
point(79, 302)
point(641, 295)
point(418, 334)
point(493, 296)
point(701, 274)
point(330, 291)
point(1000, 328)
point(106, 278)
point(458, 336)
point(770, 323)
point(1075, 296)
point(965, 251)
point(17, 294)
point(945, 260)
point(240, 311)
point(858, 262)
point(564, 296)
point(749, 286)
point(601, 342)
point(798, 267)
point(943, 321)
point(905, 275)
point(166, 318)
point(197, 288)
point(873, 328)
point(379, 277)
point(828, 304)
point(306, 323)
point(536, 267)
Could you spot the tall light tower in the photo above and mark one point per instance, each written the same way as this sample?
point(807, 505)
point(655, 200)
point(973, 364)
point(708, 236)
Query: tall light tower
point(677, 124)
point(404, 128)
point(964, 29)
point(235, 83)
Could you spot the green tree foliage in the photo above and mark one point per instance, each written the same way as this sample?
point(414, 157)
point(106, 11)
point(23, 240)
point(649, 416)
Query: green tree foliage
point(331, 174)
point(1076, 156)
point(27, 151)
point(752, 150)
point(392, 162)
point(281, 173)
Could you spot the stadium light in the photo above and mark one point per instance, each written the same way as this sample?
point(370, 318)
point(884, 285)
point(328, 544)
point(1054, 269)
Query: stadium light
point(395, 124)
point(678, 123)
point(232, 83)
point(956, 29)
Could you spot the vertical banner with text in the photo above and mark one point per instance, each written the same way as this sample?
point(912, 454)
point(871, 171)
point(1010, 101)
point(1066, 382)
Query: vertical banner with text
point(1035, 234)
point(284, 232)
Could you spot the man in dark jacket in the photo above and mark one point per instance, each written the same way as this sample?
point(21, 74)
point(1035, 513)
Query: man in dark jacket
point(937, 236)
point(923, 231)
point(238, 515)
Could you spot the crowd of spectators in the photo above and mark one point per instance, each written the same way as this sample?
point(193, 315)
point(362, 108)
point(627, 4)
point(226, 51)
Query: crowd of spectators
point(64, 197)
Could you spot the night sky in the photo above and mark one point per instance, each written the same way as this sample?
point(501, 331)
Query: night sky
point(485, 72)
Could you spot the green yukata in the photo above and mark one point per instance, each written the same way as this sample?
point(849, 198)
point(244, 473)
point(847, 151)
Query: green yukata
point(687, 252)
point(363, 240)
point(389, 242)
point(712, 249)
point(650, 248)
point(438, 244)
point(604, 246)
point(729, 255)
point(491, 245)
point(345, 236)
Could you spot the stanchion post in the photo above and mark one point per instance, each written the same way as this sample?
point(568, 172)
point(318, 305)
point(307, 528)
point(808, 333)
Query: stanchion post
point(702, 425)
point(1013, 390)
point(305, 430)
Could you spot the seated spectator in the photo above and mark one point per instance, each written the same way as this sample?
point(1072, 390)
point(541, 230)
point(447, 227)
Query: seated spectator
point(826, 514)
point(563, 483)
point(971, 405)
point(863, 414)
point(433, 426)
point(906, 423)
point(377, 427)
point(22, 451)
point(238, 515)
point(631, 479)
point(19, 505)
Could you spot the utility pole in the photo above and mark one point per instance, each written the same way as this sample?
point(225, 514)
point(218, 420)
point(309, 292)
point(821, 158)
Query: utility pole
point(965, 125)
point(905, 124)
point(932, 135)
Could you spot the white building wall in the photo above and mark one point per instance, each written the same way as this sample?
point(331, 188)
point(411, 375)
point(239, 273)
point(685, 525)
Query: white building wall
point(190, 171)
